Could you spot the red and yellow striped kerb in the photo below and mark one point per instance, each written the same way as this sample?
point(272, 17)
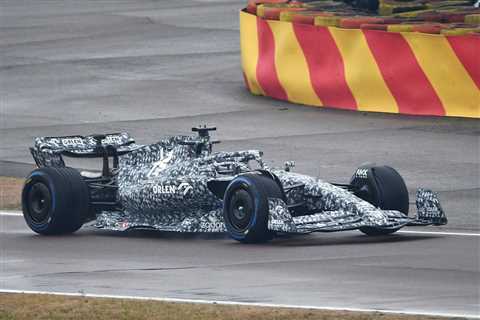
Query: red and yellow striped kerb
point(367, 70)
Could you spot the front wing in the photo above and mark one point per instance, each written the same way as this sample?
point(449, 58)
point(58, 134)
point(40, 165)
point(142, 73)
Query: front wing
point(429, 211)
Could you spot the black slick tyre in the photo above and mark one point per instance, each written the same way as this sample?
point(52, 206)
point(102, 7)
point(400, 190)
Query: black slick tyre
point(385, 189)
point(55, 200)
point(245, 207)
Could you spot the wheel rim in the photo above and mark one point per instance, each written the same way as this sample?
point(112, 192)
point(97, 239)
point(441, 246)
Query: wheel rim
point(39, 202)
point(241, 209)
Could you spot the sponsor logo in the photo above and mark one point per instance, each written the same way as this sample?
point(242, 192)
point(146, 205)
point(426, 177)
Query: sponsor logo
point(182, 189)
point(72, 141)
point(161, 164)
point(112, 140)
point(215, 225)
point(123, 224)
point(362, 173)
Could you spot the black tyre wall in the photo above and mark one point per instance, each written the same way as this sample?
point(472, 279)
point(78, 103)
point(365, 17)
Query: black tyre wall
point(69, 200)
point(260, 188)
point(385, 188)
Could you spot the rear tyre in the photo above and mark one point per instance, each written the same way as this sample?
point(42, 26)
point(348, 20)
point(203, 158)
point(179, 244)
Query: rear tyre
point(385, 188)
point(55, 200)
point(245, 207)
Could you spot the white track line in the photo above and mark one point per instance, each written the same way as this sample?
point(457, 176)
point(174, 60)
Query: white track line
point(235, 303)
point(440, 233)
point(11, 213)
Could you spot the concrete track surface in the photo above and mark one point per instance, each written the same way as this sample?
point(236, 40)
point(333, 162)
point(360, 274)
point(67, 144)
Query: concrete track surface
point(156, 68)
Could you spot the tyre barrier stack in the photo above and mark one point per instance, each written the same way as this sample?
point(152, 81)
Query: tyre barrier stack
point(409, 57)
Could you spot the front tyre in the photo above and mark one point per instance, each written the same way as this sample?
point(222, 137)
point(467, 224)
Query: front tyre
point(55, 200)
point(245, 207)
point(383, 187)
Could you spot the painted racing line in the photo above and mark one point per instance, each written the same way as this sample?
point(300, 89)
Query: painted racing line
point(440, 233)
point(11, 213)
point(235, 303)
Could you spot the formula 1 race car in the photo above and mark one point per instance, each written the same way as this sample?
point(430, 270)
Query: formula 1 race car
point(178, 184)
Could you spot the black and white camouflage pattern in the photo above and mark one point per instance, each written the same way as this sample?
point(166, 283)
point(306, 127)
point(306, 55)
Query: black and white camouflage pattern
point(163, 186)
point(429, 210)
point(47, 151)
point(332, 208)
point(82, 144)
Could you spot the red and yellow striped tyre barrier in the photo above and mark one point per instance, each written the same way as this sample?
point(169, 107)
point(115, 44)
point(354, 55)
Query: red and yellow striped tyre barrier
point(360, 69)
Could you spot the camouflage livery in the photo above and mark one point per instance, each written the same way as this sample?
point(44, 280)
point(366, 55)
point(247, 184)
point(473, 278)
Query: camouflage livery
point(168, 186)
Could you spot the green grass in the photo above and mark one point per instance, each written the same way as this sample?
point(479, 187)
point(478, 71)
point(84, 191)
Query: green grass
point(31, 306)
point(10, 193)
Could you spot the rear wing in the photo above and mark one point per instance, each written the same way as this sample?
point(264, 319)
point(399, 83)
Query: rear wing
point(48, 151)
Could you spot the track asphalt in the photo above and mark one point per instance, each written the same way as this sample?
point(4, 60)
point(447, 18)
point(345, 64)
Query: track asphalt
point(156, 68)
